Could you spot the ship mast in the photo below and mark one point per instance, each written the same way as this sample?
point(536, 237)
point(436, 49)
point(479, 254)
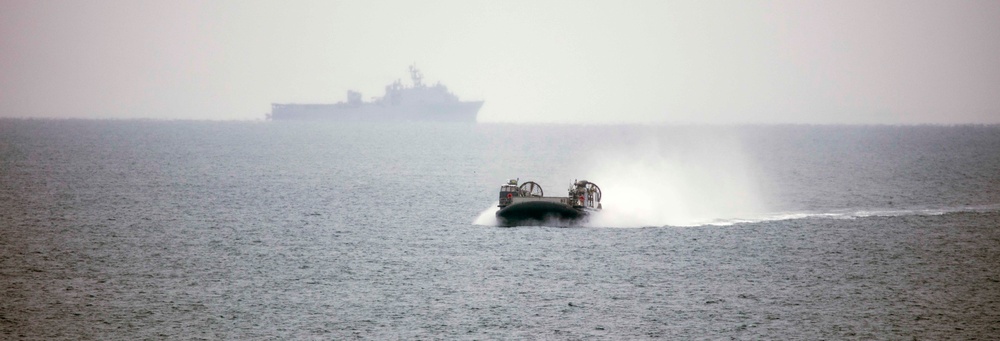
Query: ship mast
point(416, 76)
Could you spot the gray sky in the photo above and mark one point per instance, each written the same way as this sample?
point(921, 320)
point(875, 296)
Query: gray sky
point(532, 61)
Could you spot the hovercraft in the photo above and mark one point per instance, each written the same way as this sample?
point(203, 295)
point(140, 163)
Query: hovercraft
point(526, 204)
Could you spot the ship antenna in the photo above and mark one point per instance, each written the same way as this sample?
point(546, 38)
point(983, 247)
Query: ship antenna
point(416, 76)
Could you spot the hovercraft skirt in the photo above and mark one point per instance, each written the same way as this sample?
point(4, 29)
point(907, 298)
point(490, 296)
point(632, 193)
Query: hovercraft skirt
point(538, 212)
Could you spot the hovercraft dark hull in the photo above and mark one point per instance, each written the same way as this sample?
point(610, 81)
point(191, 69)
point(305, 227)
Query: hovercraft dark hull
point(539, 213)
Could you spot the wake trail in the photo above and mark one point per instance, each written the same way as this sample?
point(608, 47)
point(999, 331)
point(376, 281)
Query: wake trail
point(845, 214)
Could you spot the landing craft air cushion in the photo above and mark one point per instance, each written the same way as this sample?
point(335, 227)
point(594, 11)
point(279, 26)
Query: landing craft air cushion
point(527, 205)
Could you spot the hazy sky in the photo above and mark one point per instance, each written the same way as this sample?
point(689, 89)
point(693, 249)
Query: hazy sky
point(732, 61)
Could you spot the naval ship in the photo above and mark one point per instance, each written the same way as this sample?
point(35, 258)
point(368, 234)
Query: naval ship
point(526, 204)
point(419, 102)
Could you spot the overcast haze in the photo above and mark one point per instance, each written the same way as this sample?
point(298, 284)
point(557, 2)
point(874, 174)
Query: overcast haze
point(862, 62)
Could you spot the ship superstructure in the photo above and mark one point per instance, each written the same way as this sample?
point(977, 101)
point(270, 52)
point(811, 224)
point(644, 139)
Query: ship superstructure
point(418, 102)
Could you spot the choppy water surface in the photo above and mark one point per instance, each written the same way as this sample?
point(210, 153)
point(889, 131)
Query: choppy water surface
point(209, 230)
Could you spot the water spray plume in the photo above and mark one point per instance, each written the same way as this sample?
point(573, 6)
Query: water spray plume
point(488, 217)
point(668, 177)
point(681, 181)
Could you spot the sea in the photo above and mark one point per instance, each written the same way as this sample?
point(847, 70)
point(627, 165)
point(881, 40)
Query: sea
point(194, 230)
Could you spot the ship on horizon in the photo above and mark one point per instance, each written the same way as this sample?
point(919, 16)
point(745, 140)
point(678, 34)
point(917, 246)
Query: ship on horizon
point(400, 103)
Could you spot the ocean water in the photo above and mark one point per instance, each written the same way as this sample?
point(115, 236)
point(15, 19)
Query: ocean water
point(124, 230)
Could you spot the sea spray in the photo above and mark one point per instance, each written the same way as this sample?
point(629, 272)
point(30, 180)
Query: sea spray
point(488, 217)
point(657, 176)
point(685, 178)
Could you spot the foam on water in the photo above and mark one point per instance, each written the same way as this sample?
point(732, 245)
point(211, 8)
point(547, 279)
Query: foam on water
point(855, 214)
point(839, 214)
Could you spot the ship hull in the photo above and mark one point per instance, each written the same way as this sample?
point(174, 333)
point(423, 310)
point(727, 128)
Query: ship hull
point(540, 213)
point(450, 112)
